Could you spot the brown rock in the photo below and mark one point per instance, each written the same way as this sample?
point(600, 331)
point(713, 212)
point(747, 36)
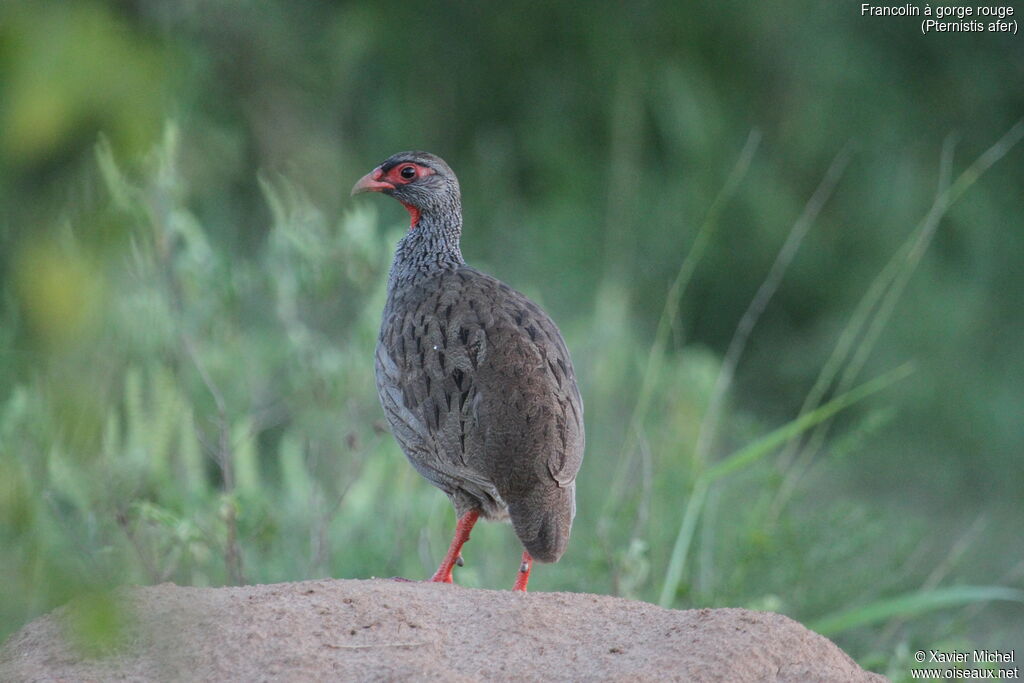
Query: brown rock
point(385, 630)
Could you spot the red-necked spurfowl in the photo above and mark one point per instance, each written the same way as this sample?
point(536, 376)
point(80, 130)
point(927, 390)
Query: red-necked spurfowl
point(474, 378)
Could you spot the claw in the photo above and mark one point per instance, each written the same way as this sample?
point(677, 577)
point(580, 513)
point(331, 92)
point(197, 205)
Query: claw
point(459, 561)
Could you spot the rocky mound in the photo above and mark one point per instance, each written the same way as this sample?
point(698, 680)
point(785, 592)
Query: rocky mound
point(381, 629)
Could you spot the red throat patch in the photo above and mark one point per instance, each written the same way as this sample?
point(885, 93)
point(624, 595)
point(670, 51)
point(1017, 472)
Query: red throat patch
point(414, 214)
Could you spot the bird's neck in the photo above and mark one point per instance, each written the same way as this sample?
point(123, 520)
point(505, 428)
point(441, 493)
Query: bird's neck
point(430, 246)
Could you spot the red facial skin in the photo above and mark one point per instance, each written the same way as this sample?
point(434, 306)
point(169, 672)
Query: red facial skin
point(378, 181)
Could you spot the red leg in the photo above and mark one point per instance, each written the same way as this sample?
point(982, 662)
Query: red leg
point(462, 529)
point(524, 573)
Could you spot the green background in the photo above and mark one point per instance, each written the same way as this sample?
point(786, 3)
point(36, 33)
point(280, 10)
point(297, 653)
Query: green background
point(189, 298)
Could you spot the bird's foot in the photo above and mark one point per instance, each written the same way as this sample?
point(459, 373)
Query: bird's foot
point(442, 577)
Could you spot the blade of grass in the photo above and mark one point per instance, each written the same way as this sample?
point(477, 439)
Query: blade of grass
point(776, 438)
point(750, 454)
point(905, 264)
point(912, 604)
point(681, 548)
point(887, 288)
point(709, 425)
point(655, 356)
point(942, 569)
point(920, 245)
point(682, 280)
point(861, 317)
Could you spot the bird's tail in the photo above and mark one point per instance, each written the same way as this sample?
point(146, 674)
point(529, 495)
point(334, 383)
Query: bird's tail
point(543, 521)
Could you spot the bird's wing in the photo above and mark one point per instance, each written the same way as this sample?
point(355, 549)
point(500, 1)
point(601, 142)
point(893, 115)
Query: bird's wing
point(478, 385)
point(427, 361)
point(528, 365)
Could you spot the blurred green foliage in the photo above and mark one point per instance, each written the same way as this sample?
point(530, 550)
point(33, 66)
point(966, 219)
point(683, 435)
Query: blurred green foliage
point(189, 299)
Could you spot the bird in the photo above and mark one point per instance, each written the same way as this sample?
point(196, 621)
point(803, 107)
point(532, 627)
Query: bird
point(474, 378)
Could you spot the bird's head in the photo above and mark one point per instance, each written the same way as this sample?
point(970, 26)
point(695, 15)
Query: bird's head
point(422, 182)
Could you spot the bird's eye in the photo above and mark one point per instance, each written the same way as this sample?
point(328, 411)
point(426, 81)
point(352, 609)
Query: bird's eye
point(407, 172)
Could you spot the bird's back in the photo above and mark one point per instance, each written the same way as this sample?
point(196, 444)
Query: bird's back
point(479, 389)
